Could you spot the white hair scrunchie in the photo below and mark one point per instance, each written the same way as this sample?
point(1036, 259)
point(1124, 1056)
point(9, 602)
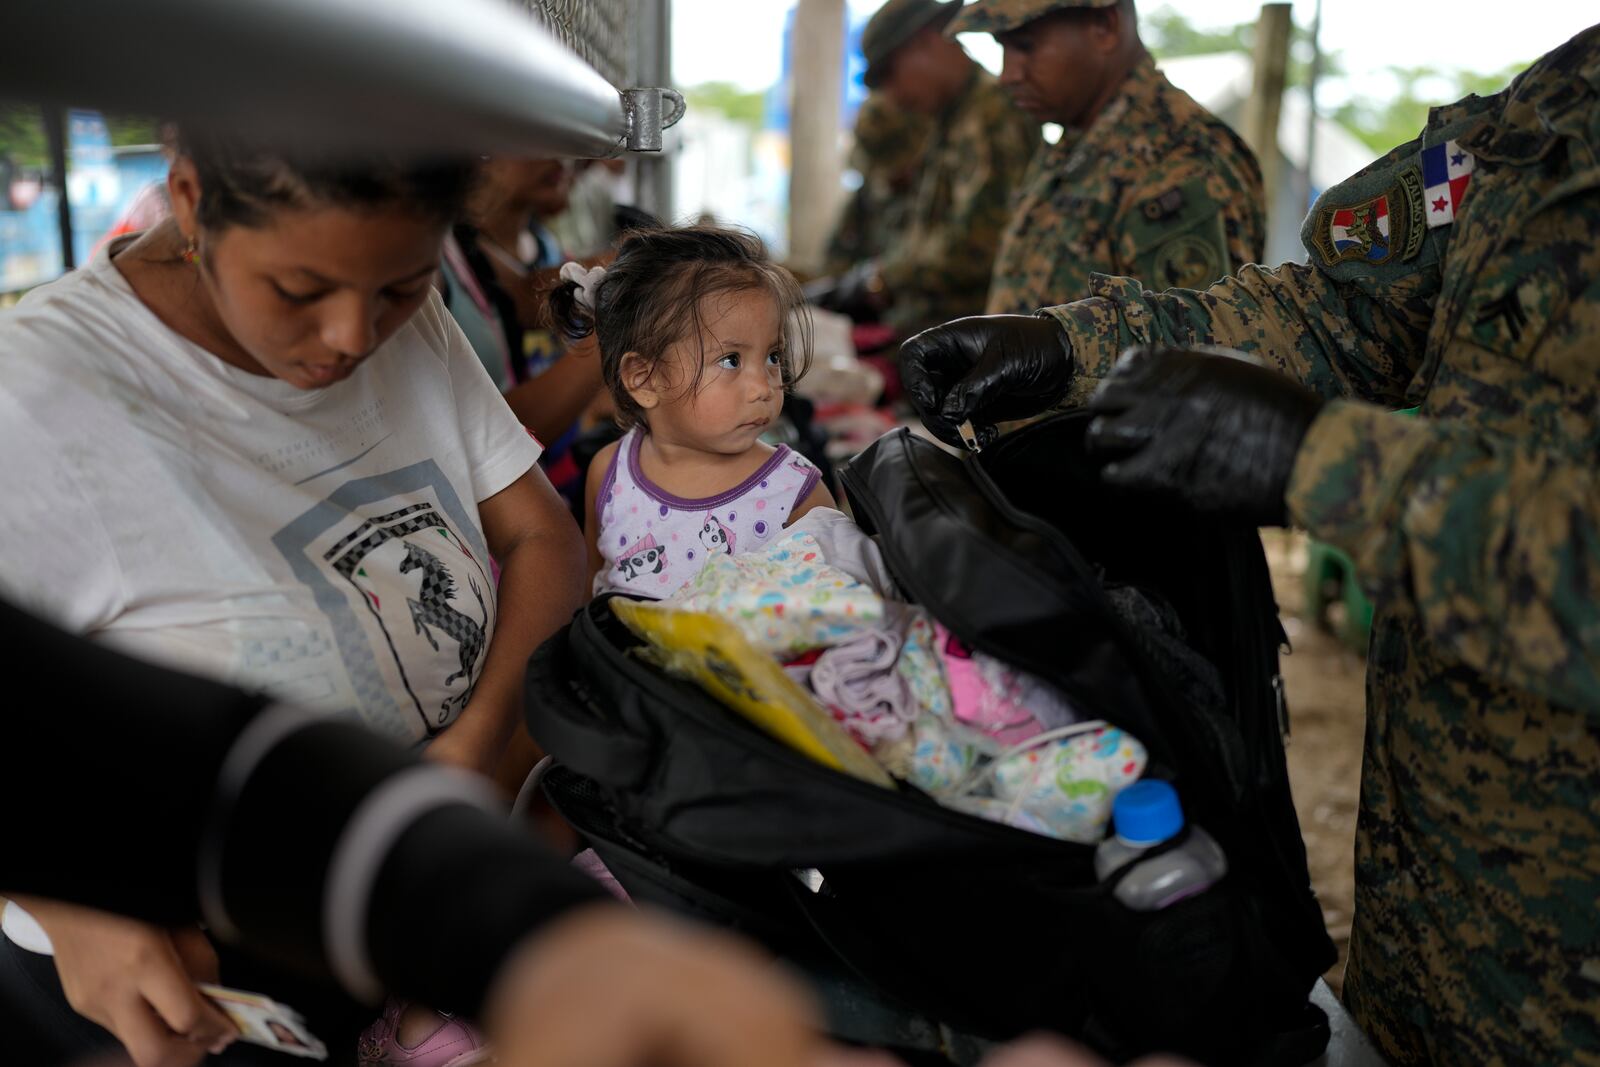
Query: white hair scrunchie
point(587, 281)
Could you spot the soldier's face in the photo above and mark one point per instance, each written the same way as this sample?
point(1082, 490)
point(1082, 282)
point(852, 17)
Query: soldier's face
point(1057, 68)
point(914, 80)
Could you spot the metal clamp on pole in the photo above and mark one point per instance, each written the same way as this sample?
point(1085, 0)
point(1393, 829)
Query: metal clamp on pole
point(649, 112)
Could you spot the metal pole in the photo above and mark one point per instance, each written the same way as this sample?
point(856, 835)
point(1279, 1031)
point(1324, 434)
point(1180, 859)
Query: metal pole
point(466, 76)
point(55, 132)
point(653, 66)
point(816, 89)
point(1309, 182)
point(1266, 95)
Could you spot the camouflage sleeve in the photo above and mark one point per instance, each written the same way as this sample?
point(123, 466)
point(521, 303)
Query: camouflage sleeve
point(949, 246)
point(1496, 541)
point(1339, 338)
point(1353, 322)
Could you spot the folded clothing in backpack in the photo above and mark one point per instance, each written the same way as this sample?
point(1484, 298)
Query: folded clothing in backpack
point(975, 733)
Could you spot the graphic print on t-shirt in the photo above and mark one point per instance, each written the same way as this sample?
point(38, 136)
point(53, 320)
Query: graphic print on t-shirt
point(653, 542)
point(391, 544)
point(644, 558)
point(716, 537)
point(398, 567)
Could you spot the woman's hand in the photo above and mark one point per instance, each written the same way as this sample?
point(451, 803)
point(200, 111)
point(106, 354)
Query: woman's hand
point(609, 987)
point(1048, 1051)
point(137, 981)
point(543, 580)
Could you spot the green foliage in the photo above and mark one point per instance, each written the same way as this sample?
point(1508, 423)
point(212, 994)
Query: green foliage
point(23, 142)
point(1169, 34)
point(727, 99)
point(1382, 121)
point(133, 129)
point(22, 137)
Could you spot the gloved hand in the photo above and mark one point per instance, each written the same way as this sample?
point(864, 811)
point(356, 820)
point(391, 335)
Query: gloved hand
point(987, 368)
point(1214, 428)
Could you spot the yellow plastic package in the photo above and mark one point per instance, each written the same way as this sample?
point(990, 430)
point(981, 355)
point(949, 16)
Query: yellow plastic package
point(713, 653)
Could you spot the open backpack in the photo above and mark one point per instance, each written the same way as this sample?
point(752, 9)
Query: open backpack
point(913, 918)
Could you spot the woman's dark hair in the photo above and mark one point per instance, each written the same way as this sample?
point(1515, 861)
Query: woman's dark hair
point(650, 299)
point(244, 184)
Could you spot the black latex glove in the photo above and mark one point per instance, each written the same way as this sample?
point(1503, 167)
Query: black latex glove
point(1214, 428)
point(987, 369)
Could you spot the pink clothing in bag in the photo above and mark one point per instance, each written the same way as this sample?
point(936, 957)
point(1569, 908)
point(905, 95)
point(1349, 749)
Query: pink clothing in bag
point(1006, 704)
point(653, 542)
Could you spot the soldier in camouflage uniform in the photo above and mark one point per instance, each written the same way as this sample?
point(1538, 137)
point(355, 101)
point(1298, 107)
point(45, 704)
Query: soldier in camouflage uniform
point(1144, 182)
point(1461, 273)
point(888, 148)
point(979, 147)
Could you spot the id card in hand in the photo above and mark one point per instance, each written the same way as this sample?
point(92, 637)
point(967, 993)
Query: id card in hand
point(263, 1021)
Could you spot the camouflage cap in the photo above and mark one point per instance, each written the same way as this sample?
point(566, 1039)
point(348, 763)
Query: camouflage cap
point(892, 25)
point(1002, 16)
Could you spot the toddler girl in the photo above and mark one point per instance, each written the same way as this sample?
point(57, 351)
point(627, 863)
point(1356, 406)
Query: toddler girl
point(699, 341)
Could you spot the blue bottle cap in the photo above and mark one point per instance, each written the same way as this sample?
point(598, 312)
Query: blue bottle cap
point(1147, 813)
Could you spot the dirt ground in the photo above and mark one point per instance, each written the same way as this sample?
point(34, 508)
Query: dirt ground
point(1324, 681)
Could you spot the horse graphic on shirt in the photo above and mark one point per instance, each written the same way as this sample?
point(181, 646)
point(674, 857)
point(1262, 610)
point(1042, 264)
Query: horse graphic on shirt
point(432, 611)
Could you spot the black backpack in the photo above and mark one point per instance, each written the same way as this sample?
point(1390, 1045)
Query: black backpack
point(931, 914)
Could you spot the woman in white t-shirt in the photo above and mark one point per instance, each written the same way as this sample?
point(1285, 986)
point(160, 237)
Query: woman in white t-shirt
point(251, 443)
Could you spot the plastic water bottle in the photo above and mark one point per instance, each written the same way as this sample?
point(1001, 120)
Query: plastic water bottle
point(1144, 815)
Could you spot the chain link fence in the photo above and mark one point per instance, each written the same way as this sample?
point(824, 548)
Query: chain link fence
point(628, 42)
point(598, 30)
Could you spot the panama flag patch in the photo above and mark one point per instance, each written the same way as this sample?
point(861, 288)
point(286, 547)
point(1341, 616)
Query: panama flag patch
point(1362, 230)
point(1372, 231)
point(1446, 170)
